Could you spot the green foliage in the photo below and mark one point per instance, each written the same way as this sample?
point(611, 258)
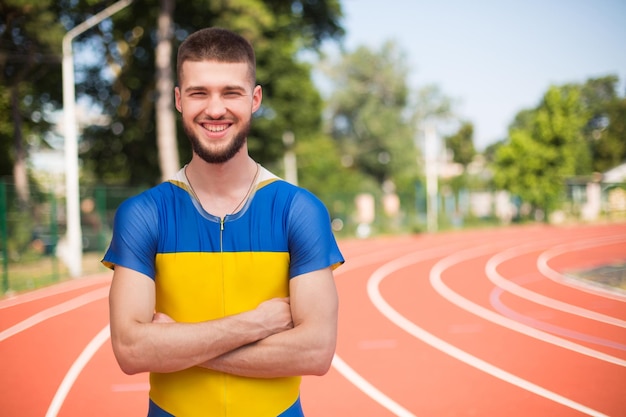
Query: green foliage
point(526, 168)
point(462, 144)
point(609, 150)
point(606, 126)
point(124, 150)
point(574, 130)
point(30, 75)
point(370, 115)
point(115, 75)
point(320, 169)
point(290, 103)
point(6, 134)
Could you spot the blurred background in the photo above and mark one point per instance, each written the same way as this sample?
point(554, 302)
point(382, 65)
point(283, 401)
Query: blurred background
point(402, 116)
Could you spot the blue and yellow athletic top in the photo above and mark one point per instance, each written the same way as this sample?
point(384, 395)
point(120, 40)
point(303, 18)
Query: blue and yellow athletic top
point(207, 268)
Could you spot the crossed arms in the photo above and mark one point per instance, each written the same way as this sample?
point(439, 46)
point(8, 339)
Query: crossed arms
point(281, 337)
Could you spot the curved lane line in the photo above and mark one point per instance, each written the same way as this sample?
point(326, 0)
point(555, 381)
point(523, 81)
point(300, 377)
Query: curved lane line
point(349, 373)
point(480, 311)
point(48, 313)
point(544, 268)
point(79, 364)
point(439, 344)
point(502, 308)
point(369, 389)
point(513, 288)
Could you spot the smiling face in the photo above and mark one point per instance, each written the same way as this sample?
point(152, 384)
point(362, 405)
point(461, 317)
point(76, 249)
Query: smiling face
point(216, 100)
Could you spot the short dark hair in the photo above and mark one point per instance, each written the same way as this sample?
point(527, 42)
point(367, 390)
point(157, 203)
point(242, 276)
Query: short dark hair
point(216, 44)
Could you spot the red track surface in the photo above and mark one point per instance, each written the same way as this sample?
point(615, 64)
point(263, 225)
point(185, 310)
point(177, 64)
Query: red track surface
point(479, 323)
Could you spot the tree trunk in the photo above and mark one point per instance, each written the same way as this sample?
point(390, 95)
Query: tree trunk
point(20, 173)
point(165, 117)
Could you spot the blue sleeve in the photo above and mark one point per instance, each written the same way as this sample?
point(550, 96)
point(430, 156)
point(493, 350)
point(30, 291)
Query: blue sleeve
point(312, 245)
point(135, 236)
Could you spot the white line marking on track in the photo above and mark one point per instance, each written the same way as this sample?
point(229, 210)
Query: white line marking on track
point(343, 368)
point(416, 331)
point(48, 313)
point(542, 265)
point(370, 390)
point(478, 310)
point(75, 370)
point(513, 288)
point(538, 323)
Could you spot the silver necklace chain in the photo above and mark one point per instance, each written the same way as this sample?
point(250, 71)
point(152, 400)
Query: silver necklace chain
point(245, 197)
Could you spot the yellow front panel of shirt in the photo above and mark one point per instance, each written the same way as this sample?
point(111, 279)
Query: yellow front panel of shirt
point(198, 286)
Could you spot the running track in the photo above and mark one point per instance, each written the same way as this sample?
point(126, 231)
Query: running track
point(478, 323)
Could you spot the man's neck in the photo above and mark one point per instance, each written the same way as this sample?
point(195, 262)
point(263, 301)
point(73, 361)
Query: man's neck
point(222, 188)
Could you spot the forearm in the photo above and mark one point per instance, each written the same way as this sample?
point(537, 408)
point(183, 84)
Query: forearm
point(305, 349)
point(295, 352)
point(169, 347)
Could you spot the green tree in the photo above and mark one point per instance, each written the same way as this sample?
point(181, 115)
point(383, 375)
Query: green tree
point(30, 75)
point(370, 116)
point(322, 172)
point(610, 149)
point(462, 144)
point(545, 146)
point(605, 128)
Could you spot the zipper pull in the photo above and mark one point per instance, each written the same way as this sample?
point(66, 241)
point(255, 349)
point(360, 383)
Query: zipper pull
point(221, 223)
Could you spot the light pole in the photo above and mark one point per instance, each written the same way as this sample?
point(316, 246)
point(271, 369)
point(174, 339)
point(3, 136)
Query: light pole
point(74, 233)
point(289, 159)
point(431, 153)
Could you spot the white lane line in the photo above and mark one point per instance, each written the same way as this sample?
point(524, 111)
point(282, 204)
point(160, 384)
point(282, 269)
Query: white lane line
point(75, 370)
point(487, 314)
point(497, 303)
point(545, 269)
point(518, 290)
point(369, 389)
point(48, 313)
point(342, 367)
point(418, 332)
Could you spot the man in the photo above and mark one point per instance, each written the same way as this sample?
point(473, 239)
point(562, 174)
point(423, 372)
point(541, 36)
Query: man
point(223, 287)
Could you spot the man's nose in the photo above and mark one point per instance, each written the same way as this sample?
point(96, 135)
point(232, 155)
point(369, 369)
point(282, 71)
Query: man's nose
point(215, 107)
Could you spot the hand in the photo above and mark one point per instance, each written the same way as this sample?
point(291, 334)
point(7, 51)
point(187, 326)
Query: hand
point(275, 315)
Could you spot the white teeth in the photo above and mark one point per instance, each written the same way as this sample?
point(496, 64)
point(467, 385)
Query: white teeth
point(213, 128)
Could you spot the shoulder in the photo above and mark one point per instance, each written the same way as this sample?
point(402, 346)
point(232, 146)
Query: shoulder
point(153, 197)
point(146, 206)
point(140, 205)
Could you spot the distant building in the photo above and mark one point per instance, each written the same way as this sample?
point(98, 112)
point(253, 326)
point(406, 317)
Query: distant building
point(600, 193)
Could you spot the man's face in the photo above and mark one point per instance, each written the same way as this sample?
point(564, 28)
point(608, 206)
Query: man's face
point(216, 100)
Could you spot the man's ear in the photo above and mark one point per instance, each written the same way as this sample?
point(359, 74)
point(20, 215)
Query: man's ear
point(177, 99)
point(257, 98)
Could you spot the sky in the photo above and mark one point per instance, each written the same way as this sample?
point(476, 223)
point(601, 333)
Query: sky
point(495, 58)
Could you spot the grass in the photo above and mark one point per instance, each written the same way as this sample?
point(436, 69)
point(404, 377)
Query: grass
point(608, 276)
point(47, 270)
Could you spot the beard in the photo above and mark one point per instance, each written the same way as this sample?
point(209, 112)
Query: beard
point(217, 156)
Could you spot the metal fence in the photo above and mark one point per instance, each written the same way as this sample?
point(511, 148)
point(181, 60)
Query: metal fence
point(32, 232)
